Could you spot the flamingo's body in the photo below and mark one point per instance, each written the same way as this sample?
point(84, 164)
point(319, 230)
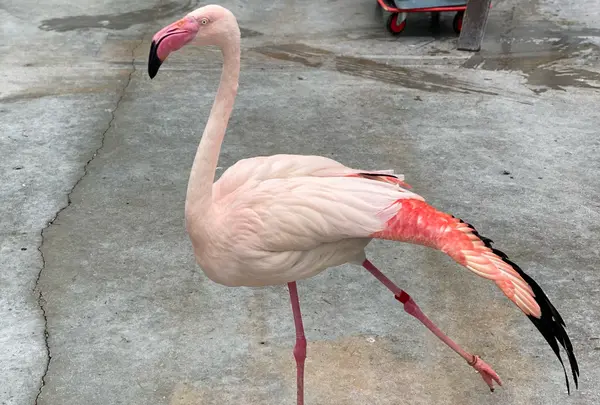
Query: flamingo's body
point(278, 219)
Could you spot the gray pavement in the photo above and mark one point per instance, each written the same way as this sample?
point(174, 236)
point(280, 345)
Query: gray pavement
point(100, 299)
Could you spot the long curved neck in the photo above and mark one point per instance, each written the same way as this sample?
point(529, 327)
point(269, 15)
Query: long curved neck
point(202, 176)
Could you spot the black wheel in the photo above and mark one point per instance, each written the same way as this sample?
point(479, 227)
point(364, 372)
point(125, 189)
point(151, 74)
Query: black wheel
point(434, 24)
point(394, 26)
point(458, 22)
point(435, 19)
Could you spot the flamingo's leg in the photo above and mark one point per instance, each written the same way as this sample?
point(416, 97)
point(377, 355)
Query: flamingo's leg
point(486, 372)
point(300, 347)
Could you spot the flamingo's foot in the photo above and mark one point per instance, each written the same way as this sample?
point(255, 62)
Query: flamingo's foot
point(486, 372)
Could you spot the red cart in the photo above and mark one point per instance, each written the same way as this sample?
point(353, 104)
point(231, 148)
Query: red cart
point(396, 22)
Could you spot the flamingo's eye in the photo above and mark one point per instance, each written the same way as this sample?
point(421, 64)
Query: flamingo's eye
point(204, 21)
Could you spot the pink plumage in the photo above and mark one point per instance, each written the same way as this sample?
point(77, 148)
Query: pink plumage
point(417, 222)
point(274, 220)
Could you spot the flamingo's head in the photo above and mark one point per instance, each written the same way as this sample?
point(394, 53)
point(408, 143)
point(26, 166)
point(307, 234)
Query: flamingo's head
point(208, 25)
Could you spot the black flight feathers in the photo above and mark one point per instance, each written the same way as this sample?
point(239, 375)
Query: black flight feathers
point(551, 324)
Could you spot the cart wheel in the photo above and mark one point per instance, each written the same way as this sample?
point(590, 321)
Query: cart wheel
point(393, 26)
point(435, 19)
point(458, 21)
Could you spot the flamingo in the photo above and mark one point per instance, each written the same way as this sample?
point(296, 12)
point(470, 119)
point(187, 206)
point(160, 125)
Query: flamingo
point(275, 220)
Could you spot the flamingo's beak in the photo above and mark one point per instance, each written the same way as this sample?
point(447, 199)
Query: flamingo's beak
point(170, 39)
point(154, 61)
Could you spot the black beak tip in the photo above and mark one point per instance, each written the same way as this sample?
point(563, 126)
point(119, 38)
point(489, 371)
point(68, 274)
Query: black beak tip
point(153, 61)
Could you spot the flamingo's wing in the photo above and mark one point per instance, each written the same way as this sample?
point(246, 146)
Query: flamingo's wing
point(287, 166)
point(301, 213)
point(418, 222)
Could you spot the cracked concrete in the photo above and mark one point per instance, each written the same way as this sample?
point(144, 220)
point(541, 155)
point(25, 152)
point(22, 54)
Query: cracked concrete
point(46, 344)
point(46, 149)
point(101, 301)
point(50, 223)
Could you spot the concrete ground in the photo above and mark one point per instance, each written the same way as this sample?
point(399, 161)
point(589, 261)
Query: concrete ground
point(100, 298)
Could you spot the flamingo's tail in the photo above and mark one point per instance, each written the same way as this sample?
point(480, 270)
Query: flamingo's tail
point(418, 222)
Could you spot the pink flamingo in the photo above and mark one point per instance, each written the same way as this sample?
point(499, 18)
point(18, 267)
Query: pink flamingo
point(278, 219)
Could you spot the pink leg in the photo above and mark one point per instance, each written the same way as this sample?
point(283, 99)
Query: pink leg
point(488, 375)
point(300, 348)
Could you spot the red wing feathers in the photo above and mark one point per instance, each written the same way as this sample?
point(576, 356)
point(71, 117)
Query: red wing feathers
point(418, 222)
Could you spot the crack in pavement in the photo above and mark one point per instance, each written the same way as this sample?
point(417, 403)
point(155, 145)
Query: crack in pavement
point(51, 222)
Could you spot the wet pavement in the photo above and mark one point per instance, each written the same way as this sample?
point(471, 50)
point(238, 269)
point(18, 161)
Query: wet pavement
point(100, 299)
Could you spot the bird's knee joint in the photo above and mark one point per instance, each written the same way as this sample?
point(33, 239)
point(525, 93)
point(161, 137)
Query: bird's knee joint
point(300, 348)
point(411, 307)
point(299, 354)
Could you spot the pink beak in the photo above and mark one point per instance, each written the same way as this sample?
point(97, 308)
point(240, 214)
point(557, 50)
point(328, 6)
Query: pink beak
point(170, 39)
